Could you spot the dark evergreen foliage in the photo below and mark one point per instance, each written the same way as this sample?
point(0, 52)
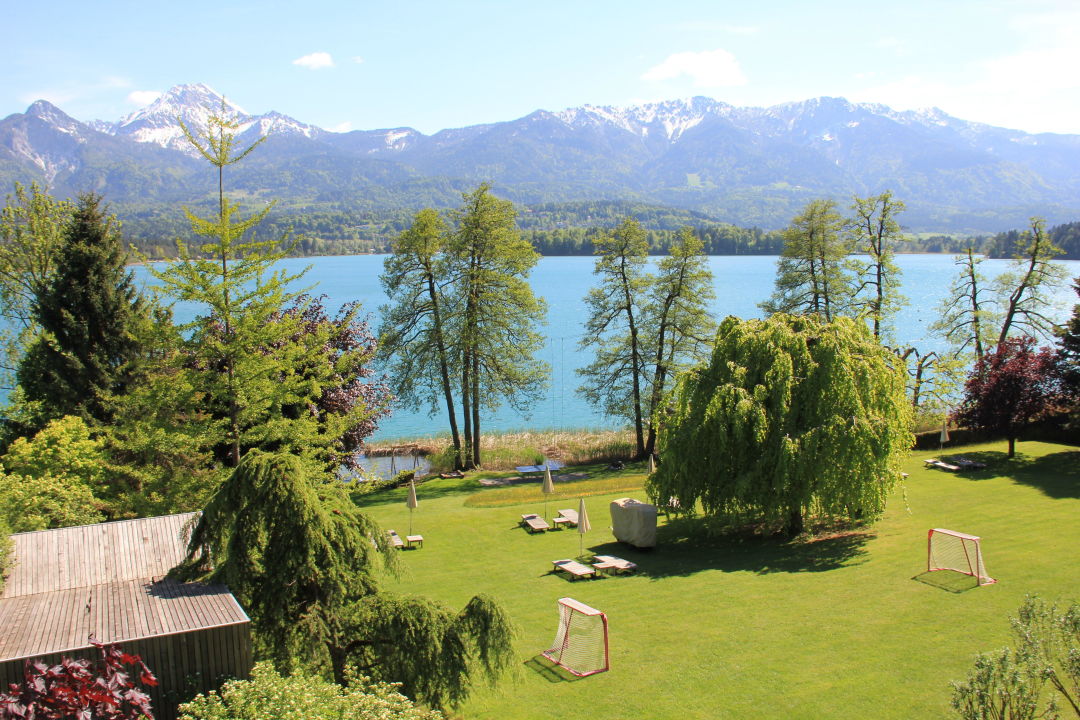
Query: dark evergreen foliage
point(90, 313)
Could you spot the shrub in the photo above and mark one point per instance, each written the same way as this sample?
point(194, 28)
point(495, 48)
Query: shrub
point(29, 503)
point(81, 689)
point(268, 695)
point(5, 551)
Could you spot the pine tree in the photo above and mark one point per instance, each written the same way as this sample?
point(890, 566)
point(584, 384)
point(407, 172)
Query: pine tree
point(90, 315)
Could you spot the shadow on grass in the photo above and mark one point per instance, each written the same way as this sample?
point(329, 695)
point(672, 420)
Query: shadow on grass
point(950, 580)
point(545, 668)
point(1057, 475)
point(684, 548)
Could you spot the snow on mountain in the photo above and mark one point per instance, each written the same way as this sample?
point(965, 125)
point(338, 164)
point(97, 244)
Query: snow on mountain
point(670, 118)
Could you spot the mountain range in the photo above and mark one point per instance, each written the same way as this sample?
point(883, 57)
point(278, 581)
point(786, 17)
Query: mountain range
point(743, 165)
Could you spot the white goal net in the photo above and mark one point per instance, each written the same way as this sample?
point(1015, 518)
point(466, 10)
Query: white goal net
point(951, 550)
point(581, 643)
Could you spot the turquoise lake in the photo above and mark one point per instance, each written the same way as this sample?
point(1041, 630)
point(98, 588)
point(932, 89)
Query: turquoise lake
point(741, 282)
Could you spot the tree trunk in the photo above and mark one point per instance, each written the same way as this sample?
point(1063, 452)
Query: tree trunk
point(795, 524)
point(444, 370)
point(635, 369)
point(1012, 446)
point(476, 410)
point(466, 407)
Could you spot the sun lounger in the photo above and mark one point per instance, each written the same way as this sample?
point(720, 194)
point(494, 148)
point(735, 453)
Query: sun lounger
point(534, 523)
point(613, 564)
point(395, 540)
point(570, 515)
point(574, 569)
point(941, 465)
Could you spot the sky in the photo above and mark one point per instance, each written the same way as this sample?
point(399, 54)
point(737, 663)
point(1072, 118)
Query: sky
point(368, 64)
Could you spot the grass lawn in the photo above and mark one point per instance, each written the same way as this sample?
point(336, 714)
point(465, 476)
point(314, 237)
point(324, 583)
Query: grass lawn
point(726, 628)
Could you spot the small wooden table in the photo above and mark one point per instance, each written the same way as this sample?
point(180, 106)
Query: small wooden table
point(417, 539)
point(560, 521)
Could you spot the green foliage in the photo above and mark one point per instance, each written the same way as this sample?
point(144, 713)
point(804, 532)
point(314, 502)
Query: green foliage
point(1069, 346)
point(965, 316)
point(269, 696)
point(791, 416)
point(811, 276)
point(876, 233)
point(6, 548)
point(1024, 293)
point(1009, 684)
point(613, 381)
point(55, 478)
point(494, 327)
point(32, 227)
point(90, 315)
point(302, 560)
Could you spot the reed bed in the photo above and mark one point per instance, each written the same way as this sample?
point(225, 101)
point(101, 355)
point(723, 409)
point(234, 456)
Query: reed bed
point(565, 491)
point(506, 450)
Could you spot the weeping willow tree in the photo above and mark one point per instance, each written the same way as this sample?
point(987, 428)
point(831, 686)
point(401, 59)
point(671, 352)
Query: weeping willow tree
point(304, 564)
point(792, 417)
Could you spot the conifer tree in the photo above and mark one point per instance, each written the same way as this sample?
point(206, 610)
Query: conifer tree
point(90, 315)
point(233, 279)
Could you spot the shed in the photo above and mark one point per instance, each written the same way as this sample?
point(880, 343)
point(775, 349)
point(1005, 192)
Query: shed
point(107, 581)
point(633, 522)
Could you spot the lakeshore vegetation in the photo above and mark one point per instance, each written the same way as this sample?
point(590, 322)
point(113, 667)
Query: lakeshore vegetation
point(781, 445)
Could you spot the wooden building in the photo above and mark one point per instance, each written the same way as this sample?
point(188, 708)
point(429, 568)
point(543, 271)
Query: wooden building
point(107, 581)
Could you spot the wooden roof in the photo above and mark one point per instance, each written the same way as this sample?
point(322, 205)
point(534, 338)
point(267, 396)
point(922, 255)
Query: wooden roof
point(105, 581)
point(76, 557)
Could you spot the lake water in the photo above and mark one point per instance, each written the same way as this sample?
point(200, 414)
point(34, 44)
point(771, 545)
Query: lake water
point(740, 282)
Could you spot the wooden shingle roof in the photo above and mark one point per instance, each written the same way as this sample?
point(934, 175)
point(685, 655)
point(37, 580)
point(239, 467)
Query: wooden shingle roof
point(106, 581)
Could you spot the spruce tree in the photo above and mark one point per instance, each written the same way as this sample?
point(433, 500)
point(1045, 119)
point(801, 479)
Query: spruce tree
point(90, 314)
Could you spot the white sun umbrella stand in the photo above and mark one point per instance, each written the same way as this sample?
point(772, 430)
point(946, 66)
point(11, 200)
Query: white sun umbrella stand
point(411, 502)
point(652, 463)
point(944, 432)
point(548, 488)
point(583, 526)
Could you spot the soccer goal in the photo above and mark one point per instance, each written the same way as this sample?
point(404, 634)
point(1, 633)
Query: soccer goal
point(581, 643)
point(951, 550)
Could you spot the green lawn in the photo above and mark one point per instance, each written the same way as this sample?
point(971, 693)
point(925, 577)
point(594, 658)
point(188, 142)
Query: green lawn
point(723, 628)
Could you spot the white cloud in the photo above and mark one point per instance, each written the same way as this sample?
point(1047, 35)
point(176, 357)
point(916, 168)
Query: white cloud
point(315, 61)
point(341, 127)
point(357, 59)
point(707, 69)
point(142, 98)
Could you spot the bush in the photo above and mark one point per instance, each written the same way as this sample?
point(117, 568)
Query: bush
point(268, 695)
point(5, 551)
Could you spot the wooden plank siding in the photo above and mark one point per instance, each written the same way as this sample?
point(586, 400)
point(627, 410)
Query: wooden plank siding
point(185, 663)
point(107, 582)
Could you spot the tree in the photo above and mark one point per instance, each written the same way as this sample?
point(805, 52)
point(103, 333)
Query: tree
point(877, 296)
point(1009, 684)
point(232, 278)
point(1012, 385)
point(73, 688)
point(1069, 346)
point(810, 275)
point(303, 562)
point(614, 381)
point(302, 697)
point(496, 313)
point(413, 333)
point(676, 319)
point(1023, 293)
point(32, 225)
point(91, 315)
point(965, 317)
point(791, 415)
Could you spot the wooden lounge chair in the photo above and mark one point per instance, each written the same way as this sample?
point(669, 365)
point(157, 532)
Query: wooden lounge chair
point(395, 540)
point(570, 515)
point(941, 465)
point(534, 523)
point(573, 568)
point(613, 564)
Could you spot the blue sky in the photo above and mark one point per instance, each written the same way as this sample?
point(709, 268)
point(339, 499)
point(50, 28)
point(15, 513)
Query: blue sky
point(364, 64)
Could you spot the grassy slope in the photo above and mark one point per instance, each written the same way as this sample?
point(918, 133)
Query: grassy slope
point(728, 629)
